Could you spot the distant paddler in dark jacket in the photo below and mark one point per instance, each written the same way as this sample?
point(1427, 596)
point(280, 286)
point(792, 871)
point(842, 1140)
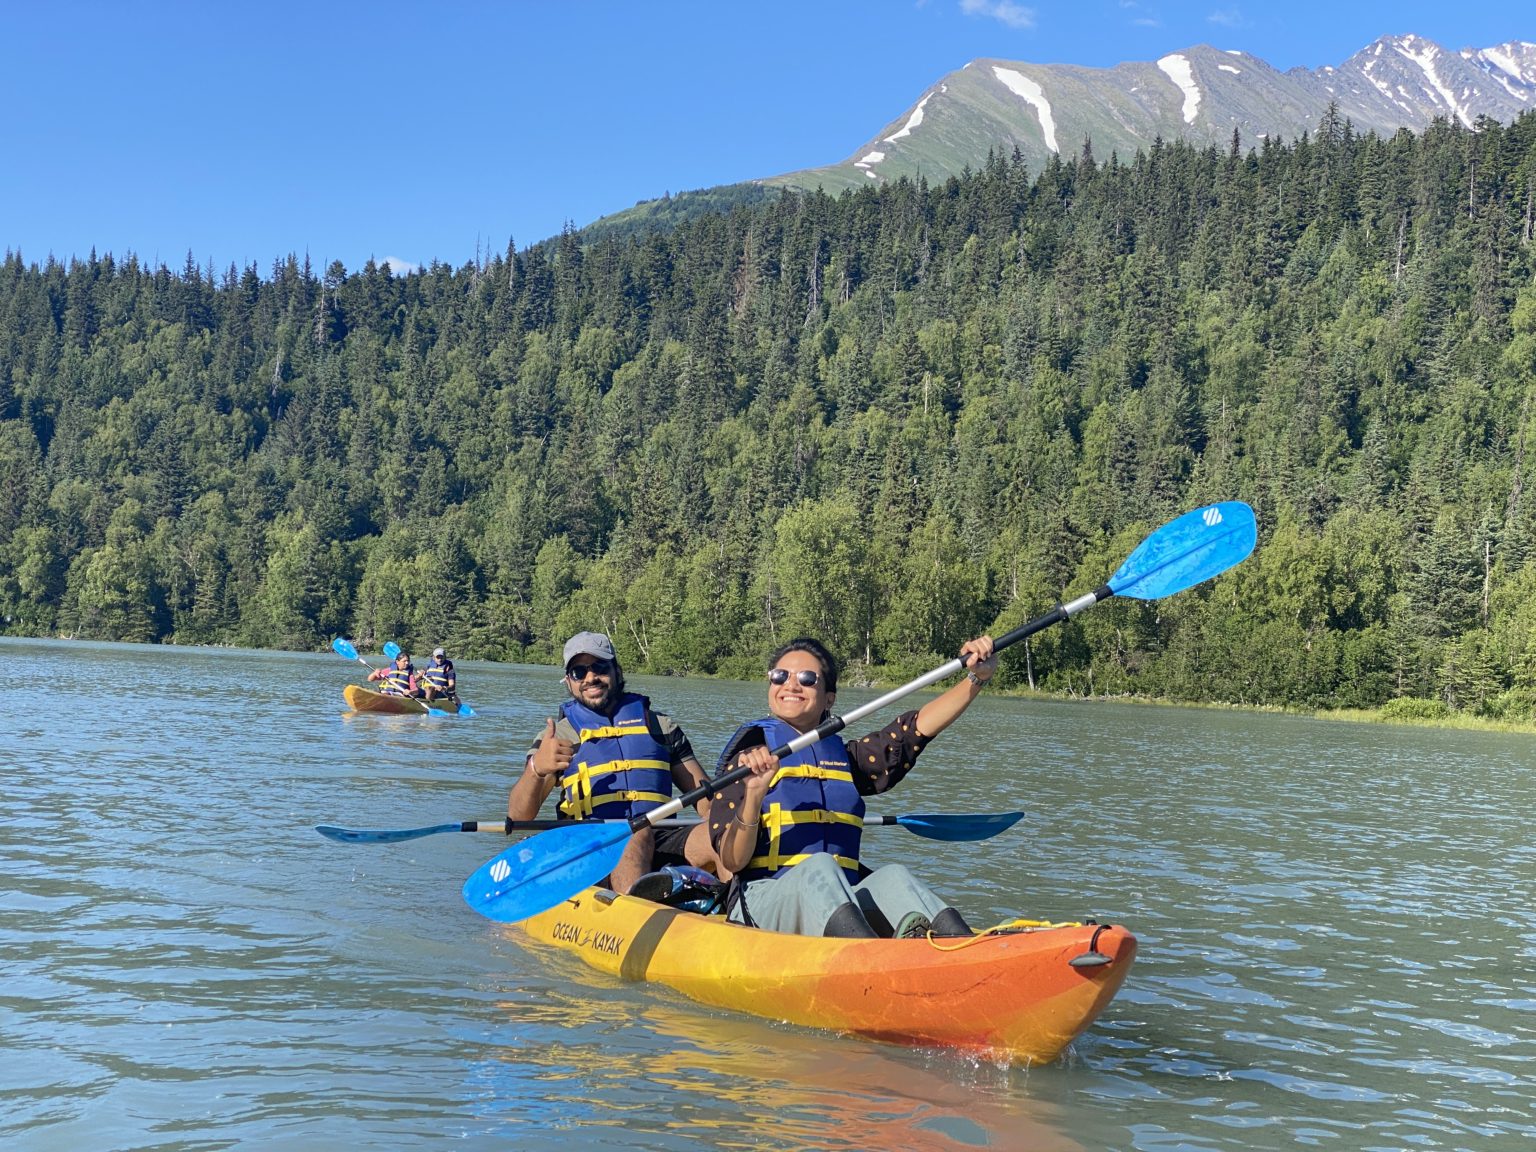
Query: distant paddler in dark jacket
point(791, 831)
point(438, 680)
point(612, 757)
point(397, 678)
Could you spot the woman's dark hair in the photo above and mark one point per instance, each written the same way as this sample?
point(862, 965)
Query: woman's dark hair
point(815, 649)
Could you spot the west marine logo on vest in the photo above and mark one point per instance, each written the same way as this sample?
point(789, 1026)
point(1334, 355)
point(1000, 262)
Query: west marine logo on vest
point(607, 942)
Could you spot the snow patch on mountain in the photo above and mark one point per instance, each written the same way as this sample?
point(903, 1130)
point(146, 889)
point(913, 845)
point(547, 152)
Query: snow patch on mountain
point(1501, 64)
point(1177, 69)
point(912, 121)
point(867, 162)
point(1382, 86)
point(1424, 54)
point(1033, 95)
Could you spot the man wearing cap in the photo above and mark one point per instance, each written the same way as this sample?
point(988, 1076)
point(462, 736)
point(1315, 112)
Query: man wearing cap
point(438, 681)
point(613, 758)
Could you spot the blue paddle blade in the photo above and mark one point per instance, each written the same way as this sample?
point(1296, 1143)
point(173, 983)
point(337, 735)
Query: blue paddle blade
point(344, 647)
point(382, 836)
point(539, 873)
point(465, 709)
point(391, 649)
point(958, 827)
point(1183, 552)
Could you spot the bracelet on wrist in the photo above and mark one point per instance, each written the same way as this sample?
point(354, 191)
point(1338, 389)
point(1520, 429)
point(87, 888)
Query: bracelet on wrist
point(975, 679)
point(744, 824)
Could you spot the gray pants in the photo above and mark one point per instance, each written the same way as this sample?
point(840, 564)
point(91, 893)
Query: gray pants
point(803, 899)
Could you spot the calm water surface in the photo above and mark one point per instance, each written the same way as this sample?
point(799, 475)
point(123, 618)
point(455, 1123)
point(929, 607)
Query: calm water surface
point(1335, 923)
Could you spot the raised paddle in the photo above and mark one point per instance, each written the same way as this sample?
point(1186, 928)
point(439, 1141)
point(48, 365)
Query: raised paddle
point(345, 648)
point(539, 873)
point(953, 826)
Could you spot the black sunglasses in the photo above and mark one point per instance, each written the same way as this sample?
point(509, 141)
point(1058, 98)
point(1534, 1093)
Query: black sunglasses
point(579, 672)
point(806, 677)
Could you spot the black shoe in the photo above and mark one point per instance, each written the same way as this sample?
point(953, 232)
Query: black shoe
point(950, 923)
point(913, 926)
point(849, 922)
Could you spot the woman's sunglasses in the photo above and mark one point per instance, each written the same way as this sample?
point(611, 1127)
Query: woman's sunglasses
point(806, 677)
point(579, 672)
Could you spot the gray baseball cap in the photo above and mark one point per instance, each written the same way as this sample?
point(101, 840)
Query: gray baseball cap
point(591, 644)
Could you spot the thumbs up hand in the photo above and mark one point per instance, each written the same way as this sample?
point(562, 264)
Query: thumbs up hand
point(552, 756)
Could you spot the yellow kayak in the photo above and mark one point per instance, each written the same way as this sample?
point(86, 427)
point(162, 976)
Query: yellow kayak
point(1021, 993)
point(361, 699)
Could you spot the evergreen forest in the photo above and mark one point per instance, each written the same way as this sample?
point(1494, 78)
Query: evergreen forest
point(891, 419)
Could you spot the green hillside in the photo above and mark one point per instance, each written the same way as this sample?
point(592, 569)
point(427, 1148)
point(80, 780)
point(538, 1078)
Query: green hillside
point(893, 418)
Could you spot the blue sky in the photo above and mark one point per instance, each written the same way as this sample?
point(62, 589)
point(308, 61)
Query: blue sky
point(417, 132)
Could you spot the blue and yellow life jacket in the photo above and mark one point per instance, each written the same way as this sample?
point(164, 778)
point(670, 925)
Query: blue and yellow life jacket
point(397, 681)
point(812, 805)
point(620, 769)
point(435, 676)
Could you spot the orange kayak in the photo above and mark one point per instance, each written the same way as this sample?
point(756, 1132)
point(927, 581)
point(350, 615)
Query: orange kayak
point(361, 699)
point(1021, 993)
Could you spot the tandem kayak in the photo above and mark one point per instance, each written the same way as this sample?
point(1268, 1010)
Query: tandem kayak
point(1020, 993)
point(362, 699)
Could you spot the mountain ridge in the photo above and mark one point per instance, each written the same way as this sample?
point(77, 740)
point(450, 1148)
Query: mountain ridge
point(1200, 93)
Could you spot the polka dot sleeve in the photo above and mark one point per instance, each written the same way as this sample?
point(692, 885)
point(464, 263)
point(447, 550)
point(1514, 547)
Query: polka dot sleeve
point(881, 759)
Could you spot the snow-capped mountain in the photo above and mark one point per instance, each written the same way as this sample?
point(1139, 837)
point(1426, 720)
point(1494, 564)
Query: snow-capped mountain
point(1202, 94)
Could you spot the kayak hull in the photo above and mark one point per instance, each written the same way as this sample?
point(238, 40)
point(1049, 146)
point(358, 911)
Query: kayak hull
point(1013, 996)
point(361, 699)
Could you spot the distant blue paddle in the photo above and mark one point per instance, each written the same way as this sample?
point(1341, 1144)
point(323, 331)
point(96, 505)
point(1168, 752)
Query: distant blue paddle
point(344, 647)
point(541, 872)
point(952, 826)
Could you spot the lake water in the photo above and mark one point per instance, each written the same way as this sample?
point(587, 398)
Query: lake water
point(1335, 921)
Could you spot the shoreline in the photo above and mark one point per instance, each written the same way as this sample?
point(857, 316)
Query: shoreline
point(1452, 720)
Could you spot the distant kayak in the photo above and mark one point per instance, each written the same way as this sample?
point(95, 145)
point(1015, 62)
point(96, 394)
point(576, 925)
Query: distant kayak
point(1021, 994)
point(362, 699)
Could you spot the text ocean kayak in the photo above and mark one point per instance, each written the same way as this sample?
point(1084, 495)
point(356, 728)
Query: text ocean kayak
point(1015, 995)
point(362, 699)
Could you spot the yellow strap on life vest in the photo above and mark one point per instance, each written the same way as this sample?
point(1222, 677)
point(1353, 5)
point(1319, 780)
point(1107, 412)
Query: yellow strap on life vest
point(777, 817)
point(579, 785)
point(813, 772)
point(617, 797)
point(611, 730)
point(775, 861)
